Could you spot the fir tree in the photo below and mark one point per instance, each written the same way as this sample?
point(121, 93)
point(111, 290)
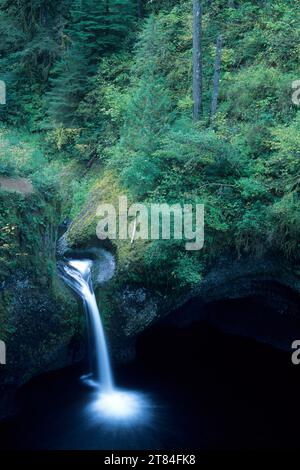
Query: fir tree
point(96, 28)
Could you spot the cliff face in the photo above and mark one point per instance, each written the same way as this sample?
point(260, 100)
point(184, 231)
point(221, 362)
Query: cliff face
point(131, 303)
point(43, 331)
point(269, 311)
point(40, 321)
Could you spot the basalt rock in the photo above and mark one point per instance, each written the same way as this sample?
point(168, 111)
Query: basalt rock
point(43, 333)
point(271, 294)
point(40, 322)
point(130, 308)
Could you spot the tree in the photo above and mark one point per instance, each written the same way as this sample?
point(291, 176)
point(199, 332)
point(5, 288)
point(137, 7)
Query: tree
point(217, 74)
point(140, 8)
point(96, 28)
point(197, 59)
point(29, 45)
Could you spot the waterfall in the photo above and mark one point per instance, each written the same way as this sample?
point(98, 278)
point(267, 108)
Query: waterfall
point(77, 275)
point(109, 404)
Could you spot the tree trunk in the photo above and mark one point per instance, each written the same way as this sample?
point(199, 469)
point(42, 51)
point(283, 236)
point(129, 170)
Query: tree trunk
point(197, 59)
point(140, 8)
point(217, 75)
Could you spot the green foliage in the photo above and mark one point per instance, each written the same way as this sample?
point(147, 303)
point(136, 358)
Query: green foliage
point(112, 100)
point(246, 168)
point(170, 267)
point(96, 28)
point(24, 222)
point(29, 38)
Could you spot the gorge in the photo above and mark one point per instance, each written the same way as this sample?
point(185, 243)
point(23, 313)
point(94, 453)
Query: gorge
point(213, 390)
point(135, 342)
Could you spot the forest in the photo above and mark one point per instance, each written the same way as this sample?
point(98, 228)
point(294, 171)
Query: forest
point(100, 98)
point(164, 101)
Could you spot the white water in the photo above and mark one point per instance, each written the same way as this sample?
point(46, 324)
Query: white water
point(77, 274)
point(109, 403)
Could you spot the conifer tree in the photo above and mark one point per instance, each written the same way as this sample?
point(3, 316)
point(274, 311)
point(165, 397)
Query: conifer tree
point(97, 27)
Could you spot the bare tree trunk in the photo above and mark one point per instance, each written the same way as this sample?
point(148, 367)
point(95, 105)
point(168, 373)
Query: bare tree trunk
point(217, 75)
point(140, 8)
point(197, 59)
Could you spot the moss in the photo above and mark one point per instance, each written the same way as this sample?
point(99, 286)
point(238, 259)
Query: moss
point(6, 314)
point(143, 263)
point(106, 190)
point(38, 316)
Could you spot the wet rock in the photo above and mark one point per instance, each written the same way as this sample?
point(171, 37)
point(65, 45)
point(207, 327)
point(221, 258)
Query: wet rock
point(139, 310)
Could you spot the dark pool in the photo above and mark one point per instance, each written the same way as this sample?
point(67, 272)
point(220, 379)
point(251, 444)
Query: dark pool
point(204, 390)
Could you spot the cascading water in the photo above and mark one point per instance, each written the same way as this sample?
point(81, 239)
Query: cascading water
point(110, 403)
point(77, 274)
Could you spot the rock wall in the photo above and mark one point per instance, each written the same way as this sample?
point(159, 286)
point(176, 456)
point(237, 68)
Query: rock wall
point(40, 321)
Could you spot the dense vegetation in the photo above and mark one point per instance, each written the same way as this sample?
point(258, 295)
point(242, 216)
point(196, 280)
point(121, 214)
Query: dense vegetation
point(100, 104)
